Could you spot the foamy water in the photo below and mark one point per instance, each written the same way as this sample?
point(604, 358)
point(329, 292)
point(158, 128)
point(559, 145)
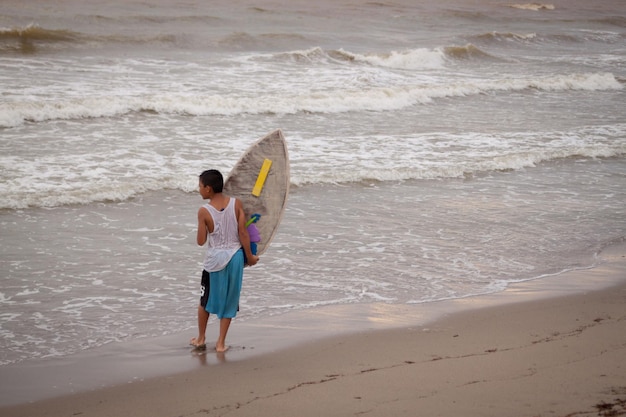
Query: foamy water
point(436, 152)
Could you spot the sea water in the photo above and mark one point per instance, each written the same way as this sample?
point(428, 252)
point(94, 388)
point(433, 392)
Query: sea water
point(438, 150)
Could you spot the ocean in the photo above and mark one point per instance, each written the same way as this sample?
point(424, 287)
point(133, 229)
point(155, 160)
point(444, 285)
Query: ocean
point(438, 150)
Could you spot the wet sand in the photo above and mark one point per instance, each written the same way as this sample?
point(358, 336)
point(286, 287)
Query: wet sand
point(553, 347)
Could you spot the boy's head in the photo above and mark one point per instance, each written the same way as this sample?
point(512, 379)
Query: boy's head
point(214, 179)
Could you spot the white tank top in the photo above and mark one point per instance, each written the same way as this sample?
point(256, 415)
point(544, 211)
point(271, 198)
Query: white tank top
point(224, 241)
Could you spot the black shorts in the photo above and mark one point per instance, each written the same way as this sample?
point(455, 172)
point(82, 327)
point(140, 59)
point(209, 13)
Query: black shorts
point(205, 285)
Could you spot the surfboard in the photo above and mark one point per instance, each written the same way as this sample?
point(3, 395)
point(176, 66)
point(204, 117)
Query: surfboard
point(260, 179)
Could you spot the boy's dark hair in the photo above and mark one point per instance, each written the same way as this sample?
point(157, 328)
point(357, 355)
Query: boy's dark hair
point(214, 179)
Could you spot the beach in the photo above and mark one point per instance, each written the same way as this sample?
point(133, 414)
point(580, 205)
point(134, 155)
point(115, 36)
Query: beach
point(549, 348)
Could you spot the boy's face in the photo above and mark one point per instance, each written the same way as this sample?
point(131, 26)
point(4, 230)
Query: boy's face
point(204, 189)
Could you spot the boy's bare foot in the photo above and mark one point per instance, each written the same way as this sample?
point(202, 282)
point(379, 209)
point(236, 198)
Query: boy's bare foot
point(221, 348)
point(197, 343)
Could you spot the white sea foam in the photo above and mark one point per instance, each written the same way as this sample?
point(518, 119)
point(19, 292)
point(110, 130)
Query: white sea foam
point(338, 100)
point(409, 59)
point(533, 6)
point(82, 179)
point(420, 58)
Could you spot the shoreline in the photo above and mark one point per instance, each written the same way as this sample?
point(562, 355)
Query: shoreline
point(142, 366)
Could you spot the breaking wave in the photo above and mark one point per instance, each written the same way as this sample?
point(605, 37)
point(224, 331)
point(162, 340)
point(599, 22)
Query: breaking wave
point(34, 38)
point(34, 32)
point(505, 36)
point(420, 58)
point(467, 52)
point(336, 101)
point(533, 6)
point(29, 39)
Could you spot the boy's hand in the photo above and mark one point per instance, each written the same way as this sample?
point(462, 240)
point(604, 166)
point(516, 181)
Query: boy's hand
point(252, 260)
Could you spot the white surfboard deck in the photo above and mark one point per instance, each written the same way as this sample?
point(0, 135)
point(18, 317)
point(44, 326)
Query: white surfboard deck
point(272, 200)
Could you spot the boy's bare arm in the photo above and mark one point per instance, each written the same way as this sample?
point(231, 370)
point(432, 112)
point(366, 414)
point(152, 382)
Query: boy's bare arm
point(204, 219)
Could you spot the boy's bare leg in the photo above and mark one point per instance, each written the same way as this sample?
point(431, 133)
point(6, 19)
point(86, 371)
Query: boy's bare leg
point(220, 346)
point(203, 319)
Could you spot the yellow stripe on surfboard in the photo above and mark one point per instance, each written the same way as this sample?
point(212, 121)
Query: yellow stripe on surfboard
point(260, 179)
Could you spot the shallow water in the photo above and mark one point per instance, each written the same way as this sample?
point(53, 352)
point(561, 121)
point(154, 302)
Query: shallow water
point(437, 151)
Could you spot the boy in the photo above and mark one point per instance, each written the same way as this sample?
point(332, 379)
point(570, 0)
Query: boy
point(221, 224)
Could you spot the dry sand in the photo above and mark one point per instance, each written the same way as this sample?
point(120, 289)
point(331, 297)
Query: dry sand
point(556, 356)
